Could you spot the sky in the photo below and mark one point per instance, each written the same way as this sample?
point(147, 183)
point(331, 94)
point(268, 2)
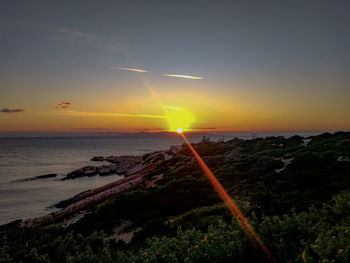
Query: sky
point(214, 65)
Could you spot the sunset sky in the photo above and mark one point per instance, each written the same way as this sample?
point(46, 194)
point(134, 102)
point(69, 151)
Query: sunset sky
point(231, 65)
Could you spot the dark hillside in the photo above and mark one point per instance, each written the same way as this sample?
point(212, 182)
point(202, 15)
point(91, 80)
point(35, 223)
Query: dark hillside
point(294, 191)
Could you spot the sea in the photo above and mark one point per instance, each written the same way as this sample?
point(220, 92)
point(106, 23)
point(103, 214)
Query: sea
point(33, 155)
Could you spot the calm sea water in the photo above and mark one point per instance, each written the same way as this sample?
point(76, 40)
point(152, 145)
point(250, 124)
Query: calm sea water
point(25, 157)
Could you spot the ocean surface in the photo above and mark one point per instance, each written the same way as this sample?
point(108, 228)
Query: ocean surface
point(26, 157)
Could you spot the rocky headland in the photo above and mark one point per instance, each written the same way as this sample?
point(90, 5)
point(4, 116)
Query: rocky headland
point(294, 191)
point(133, 168)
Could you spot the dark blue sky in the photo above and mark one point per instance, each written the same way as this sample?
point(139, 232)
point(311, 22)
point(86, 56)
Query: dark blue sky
point(254, 48)
point(269, 35)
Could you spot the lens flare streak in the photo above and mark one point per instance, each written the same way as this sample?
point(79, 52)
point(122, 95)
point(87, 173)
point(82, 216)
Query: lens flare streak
point(241, 220)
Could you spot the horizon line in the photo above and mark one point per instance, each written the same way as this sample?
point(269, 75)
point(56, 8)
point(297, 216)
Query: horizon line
point(150, 131)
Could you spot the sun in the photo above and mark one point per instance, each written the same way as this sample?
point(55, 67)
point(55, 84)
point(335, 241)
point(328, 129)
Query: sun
point(179, 120)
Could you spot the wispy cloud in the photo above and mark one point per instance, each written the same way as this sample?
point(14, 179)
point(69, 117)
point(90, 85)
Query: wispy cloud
point(91, 40)
point(6, 110)
point(103, 114)
point(76, 34)
point(182, 76)
point(131, 69)
point(166, 75)
point(63, 105)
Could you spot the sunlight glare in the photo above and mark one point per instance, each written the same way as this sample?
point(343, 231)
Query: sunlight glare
point(178, 117)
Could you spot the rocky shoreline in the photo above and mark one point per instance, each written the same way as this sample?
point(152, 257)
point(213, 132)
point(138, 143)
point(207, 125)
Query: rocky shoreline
point(122, 165)
point(293, 193)
point(134, 169)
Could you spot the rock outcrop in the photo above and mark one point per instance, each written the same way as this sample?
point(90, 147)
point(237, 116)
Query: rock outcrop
point(98, 159)
point(85, 200)
point(45, 176)
point(119, 165)
point(134, 168)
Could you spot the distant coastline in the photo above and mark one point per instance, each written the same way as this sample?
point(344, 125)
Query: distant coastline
point(106, 133)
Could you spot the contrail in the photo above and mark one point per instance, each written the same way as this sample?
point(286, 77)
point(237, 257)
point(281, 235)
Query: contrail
point(182, 76)
point(166, 75)
point(131, 69)
point(104, 114)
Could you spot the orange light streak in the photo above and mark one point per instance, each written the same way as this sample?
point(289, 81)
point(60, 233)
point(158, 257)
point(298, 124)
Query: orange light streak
point(241, 220)
point(237, 214)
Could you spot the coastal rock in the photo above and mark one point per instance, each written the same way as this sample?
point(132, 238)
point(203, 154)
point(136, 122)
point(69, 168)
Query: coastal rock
point(103, 170)
point(138, 171)
point(173, 150)
point(85, 171)
point(153, 157)
point(106, 170)
point(45, 176)
point(135, 168)
point(159, 156)
point(98, 158)
point(123, 159)
point(85, 200)
point(167, 156)
point(120, 165)
point(125, 164)
point(91, 171)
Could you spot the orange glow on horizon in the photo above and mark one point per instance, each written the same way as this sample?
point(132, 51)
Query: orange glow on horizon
point(210, 112)
point(235, 211)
